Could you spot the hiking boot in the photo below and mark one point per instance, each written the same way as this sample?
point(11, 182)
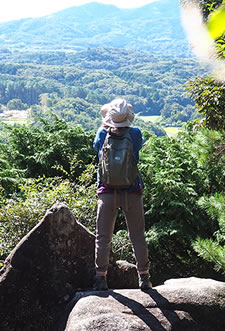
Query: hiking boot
point(100, 283)
point(144, 282)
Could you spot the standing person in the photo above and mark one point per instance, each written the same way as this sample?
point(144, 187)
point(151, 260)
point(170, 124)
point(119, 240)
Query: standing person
point(116, 116)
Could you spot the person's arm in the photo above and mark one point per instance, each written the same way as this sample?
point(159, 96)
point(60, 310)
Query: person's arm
point(99, 139)
point(139, 140)
point(136, 136)
point(96, 141)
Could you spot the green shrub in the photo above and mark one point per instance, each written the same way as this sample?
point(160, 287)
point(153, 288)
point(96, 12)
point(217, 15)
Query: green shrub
point(21, 213)
point(121, 246)
point(173, 180)
point(213, 249)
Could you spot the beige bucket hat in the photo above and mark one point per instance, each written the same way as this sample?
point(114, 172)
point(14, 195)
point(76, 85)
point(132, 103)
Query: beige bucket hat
point(117, 113)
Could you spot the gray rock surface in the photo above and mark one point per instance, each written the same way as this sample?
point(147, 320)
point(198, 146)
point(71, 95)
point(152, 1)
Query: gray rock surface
point(180, 304)
point(47, 268)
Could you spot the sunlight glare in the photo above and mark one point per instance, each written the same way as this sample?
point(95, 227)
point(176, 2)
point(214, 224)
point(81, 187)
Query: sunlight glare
point(203, 46)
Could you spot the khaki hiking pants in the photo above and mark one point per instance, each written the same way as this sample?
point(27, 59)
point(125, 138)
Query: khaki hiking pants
point(132, 206)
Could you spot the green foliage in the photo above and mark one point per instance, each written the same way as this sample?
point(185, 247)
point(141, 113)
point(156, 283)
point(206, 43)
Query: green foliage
point(121, 246)
point(208, 93)
point(155, 27)
point(213, 249)
point(149, 128)
point(52, 160)
point(48, 149)
point(215, 208)
point(209, 6)
point(170, 251)
point(21, 213)
point(77, 86)
point(85, 198)
point(209, 97)
point(28, 90)
point(173, 179)
point(208, 148)
point(16, 104)
point(216, 22)
point(178, 171)
point(178, 175)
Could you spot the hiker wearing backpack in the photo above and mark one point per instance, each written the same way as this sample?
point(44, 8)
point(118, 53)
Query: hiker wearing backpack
point(119, 186)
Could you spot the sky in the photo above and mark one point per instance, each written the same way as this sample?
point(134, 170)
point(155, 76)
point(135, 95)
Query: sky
point(16, 9)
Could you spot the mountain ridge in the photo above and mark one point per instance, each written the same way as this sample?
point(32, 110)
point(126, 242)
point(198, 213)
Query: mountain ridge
point(155, 28)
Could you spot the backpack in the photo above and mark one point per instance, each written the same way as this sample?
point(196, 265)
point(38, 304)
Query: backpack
point(117, 163)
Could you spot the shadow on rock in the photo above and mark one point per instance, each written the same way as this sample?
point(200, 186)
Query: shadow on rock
point(180, 304)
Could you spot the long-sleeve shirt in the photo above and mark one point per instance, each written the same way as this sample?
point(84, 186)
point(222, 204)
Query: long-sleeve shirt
point(136, 137)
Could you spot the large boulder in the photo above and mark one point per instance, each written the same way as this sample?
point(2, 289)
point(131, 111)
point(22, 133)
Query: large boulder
point(46, 269)
point(46, 284)
point(180, 304)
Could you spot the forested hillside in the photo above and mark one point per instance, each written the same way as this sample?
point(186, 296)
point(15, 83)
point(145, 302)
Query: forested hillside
point(96, 52)
point(60, 82)
point(155, 27)
point(78, 83)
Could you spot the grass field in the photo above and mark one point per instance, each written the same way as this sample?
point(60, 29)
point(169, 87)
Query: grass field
point(171, 131)
point(15, 120)
point(152, 119)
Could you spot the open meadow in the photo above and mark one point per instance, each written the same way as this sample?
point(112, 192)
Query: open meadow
point(171, 130)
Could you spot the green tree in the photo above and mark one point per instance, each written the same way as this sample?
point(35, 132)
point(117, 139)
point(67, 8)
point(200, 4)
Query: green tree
point(208, 93)
point(209, 97)
point(177, 174)
point(213, 249)
point(16, 104)
point(49, 149)
point(20, 213)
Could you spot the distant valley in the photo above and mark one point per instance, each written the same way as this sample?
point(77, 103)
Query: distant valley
point(73, 61)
